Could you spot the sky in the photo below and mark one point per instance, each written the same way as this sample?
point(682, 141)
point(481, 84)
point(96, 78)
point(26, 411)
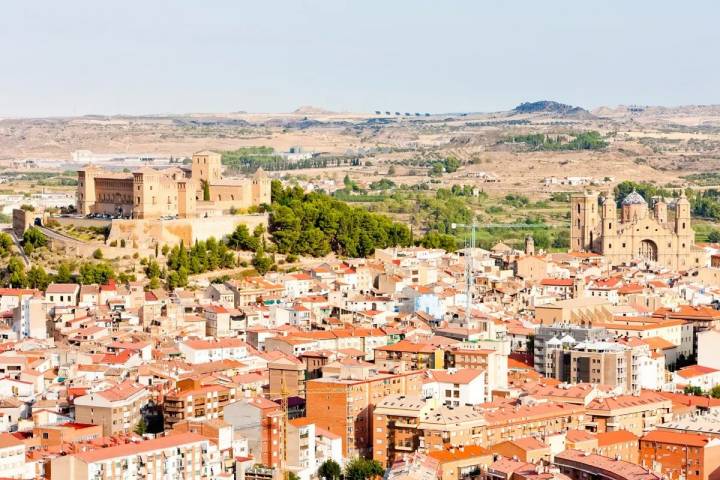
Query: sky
point(74, 57)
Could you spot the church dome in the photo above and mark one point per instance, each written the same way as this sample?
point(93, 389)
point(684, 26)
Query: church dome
point(634, 198)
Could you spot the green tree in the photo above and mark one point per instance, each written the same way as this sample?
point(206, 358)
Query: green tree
point(451, 164)
point(206, 190)
point(97, 254)
point(714, 236)
point(6, 243)
point(363, 469)
point(240, 239)
point(91, 273)
point(435, 239)
point(261, 262)
point(329, 470)
point(16, 271)
point(140, 427)
point(64, 273)
point(34, 237)
point(715, 391)
point(562, 239)
point(690, 390)
point(391, 170)
point(37, 277)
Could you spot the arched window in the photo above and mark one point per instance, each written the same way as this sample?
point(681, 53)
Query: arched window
point(578, 208)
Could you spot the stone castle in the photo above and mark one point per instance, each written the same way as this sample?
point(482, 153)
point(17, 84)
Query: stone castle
point(639, 233)
point(182, 192)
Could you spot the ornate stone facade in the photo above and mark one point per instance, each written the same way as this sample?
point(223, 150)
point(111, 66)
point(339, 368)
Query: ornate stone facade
point(639, 233)
point(148, 193)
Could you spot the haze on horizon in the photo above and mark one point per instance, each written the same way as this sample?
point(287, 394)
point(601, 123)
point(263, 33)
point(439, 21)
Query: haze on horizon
point(83, 57)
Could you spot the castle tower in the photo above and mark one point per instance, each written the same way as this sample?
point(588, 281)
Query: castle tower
point(685, 233)
point(585, 220)
point(529, 245)
point(206, 166)
point(86, 198)
point(261, 188)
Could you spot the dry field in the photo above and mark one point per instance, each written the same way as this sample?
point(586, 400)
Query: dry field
point(657, 144)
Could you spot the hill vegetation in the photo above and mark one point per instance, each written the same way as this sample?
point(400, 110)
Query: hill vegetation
point(581, 141)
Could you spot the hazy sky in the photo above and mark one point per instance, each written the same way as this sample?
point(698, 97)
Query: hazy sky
point(153, 56)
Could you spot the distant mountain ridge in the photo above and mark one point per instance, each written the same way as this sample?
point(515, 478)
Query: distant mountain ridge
point(552, 107)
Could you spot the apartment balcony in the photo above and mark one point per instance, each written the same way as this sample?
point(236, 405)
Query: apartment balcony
point(404, 448)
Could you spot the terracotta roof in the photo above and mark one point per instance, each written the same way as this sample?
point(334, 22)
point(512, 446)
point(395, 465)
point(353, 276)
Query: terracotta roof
point(676, 438)
point(462, 453)
point(556, 282)
point(136, 448)
point(121, 391)
point(212, 344)
point(695, 371)
point(460, 376)
point(618, 436)
point(62, 288)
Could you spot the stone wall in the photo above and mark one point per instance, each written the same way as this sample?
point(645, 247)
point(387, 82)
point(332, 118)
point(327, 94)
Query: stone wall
point(145, 233)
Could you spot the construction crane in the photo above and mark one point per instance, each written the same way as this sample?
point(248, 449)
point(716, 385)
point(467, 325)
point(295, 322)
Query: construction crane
point(469, 267)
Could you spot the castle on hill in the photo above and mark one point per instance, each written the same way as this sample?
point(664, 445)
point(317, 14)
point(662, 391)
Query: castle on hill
point(149, 193)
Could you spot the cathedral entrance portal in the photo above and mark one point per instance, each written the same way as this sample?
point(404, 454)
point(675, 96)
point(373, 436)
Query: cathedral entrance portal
point(648, 250)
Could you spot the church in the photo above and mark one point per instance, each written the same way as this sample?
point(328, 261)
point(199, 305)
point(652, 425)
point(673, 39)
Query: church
point(638, 233)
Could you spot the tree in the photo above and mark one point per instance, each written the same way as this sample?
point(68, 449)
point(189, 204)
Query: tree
point(34, 237)
point(451, 164)
point(261, 262)
point(714, 236)
point(435, 239)
point(715, 391)
point(690, 390)
point(91, 273)
point(97, 254)
point(391, 170)
point(292, 475)
point(206, 191)
point(6, 244)
point(363, 469)
point(38, 278)
point(64, 273)
point(240, 239)
point(562, 239)
point(140, 427)
point(16, 270)
point(329, 470)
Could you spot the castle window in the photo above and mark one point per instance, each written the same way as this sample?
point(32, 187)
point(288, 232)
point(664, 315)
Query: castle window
point(138, 200)
point(610, 226)
point(683, 225)
point(578, 223)
point(683, 245)
point(609, 245)
point(623, 245)
point(578, 208)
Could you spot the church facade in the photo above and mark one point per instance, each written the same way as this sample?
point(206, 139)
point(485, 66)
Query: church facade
point(638, 233)
point(149, 193)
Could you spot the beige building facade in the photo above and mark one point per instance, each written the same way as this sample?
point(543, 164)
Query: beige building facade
point(148, 193)
point(638, 233)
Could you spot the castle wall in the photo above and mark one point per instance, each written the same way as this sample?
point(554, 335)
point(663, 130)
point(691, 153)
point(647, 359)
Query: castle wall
point(113, 196)
point(146, 233)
